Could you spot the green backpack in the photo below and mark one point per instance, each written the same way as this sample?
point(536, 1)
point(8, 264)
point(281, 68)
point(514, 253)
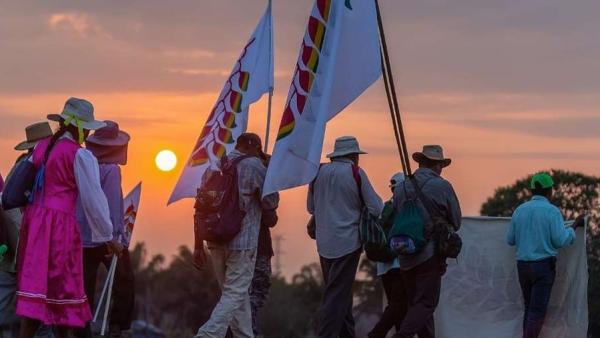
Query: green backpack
point(407, 235)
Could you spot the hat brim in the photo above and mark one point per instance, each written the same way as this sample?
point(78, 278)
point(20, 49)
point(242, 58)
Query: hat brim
point(121, 140)
point(91, 125)
point(26, 145)
point(345, 153)
point(419, 157)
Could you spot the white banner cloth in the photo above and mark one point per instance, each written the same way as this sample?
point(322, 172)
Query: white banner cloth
point(481, 297)
point(131, 205)
point(339, 59)
point(251, 77)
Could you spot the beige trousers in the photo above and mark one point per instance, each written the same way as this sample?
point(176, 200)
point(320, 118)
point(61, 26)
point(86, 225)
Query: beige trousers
point(234, 270)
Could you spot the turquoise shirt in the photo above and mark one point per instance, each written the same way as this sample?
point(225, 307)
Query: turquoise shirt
point(538, 230)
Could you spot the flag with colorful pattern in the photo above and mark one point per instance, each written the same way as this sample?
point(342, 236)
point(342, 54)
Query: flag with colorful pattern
point(131, 204)
point(252, 76)
point(339, 59)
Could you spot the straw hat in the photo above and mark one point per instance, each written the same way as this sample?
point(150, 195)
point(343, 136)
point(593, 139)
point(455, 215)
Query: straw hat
point(432, 153)
point(34, 133)
point(79, 113)
point(109, 135)
point(345, 145)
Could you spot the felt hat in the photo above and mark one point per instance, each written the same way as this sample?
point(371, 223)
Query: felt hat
point(431, 153)
point(109, 135)
point(33, 134)
point(345, 145)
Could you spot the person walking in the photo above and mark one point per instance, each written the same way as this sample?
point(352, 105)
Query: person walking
point(263, 270)
point(234, 262)
point(109, 146)
point(421, 272)
point(537, 229)
point(9, 322)
point(391, 275)
point(50, 277)
point(335, 199)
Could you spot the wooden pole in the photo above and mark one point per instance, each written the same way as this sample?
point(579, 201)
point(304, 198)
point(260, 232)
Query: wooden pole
point(392, 112)
point(390, 76)
point(270, 104)
point(266, 150)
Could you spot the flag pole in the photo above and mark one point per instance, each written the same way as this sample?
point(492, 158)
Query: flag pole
point(266, 150)
point(392, 112)
point(270, 104)
point(388, 69)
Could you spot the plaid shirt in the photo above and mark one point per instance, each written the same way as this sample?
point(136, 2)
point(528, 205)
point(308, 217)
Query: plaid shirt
point(251, 177)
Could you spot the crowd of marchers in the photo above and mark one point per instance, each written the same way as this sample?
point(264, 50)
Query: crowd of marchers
point(417, 230)
point(62, 217)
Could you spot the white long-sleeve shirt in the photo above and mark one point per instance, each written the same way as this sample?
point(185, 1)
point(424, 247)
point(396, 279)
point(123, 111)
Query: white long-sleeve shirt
point(335, 201)
point(93, 200)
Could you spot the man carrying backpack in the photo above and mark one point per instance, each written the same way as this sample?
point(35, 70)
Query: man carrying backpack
point(335, 199)
point(422, 271)
point(233, 259)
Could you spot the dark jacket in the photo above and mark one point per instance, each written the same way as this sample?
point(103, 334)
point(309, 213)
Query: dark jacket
point(442, 195)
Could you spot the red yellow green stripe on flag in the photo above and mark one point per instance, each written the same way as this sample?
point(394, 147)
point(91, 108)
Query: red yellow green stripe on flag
point(250, 78)
point(306, 67)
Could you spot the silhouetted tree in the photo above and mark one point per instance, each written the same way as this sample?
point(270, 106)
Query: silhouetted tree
point(291, 307)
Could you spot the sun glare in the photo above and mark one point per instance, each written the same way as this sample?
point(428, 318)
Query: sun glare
point(166, 160)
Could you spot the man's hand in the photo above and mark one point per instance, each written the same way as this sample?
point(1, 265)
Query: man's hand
point(114, 248)
point(579, 221)
point(199, 258)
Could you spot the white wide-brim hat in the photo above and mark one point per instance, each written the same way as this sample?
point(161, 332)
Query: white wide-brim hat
point(78, 112)
point(345, 145)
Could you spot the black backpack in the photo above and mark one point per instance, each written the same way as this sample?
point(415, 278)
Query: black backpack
point(218, 216)
point(19, 186)
point(448, 243)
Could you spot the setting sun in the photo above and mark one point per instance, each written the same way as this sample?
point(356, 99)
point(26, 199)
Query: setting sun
point(166, 160)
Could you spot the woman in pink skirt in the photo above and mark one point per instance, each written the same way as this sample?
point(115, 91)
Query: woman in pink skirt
point(50, 267)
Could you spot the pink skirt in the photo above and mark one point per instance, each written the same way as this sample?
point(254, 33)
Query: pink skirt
point(50, 269)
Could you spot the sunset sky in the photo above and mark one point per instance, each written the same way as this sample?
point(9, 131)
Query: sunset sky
point(507, 87)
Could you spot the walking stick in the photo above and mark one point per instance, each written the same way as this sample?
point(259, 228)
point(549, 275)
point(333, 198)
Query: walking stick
point(111, 277)
point(104, 289)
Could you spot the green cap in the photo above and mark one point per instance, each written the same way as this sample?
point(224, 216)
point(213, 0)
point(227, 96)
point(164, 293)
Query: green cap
point(544, 180)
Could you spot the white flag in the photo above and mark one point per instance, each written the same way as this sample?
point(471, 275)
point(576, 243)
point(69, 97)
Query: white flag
point(252, 76)
point(339, 59)
point(131, 204)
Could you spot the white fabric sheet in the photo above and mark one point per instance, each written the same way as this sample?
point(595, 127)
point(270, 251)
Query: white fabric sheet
point(481, 297)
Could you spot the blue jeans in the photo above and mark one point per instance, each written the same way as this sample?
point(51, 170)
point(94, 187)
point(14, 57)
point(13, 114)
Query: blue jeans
point(536, 279)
